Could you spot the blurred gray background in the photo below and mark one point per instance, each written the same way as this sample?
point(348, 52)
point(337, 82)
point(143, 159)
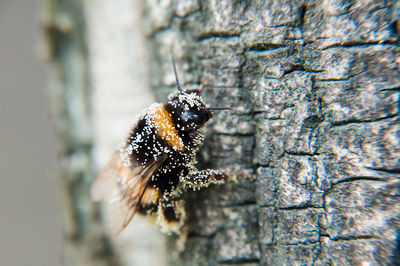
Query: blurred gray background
point(29, 220)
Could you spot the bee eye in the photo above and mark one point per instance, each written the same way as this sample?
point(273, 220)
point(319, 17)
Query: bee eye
point(189, 116)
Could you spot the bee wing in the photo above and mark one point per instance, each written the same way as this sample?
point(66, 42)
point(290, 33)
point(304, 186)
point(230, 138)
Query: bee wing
point(123, 188)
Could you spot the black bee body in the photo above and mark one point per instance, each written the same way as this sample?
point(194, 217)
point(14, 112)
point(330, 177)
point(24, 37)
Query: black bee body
point(157, 162)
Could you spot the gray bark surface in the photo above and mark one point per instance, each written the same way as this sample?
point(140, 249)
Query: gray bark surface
point(315, 87)
point(315, 91)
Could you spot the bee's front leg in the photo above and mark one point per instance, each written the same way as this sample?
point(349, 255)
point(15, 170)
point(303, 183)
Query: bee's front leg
point(203, 178)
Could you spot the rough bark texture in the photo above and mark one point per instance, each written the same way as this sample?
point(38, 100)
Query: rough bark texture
point(315, 86)
point(315, 91)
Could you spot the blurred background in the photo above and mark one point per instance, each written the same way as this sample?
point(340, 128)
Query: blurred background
point(29, 219)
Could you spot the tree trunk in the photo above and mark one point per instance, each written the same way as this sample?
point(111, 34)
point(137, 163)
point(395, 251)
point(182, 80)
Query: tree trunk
point(314, 87)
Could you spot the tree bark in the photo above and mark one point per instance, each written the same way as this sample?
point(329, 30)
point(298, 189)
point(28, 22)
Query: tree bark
point(314, 87)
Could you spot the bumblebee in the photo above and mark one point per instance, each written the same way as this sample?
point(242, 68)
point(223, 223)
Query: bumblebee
point(151, 170)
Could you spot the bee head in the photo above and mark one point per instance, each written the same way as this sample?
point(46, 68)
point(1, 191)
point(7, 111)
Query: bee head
point(189, 110)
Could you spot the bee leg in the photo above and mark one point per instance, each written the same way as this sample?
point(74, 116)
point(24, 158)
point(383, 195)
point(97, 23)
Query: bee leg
point(204, 178)
point(171, 215)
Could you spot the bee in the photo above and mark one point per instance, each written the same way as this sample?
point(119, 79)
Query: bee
point(157, 163)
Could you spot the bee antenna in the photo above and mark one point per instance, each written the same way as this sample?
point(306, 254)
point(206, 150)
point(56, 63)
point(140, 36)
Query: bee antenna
point(176, 75)
point(219, 108)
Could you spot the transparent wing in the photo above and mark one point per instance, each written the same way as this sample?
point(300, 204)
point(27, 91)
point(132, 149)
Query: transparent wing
point(122, 187)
